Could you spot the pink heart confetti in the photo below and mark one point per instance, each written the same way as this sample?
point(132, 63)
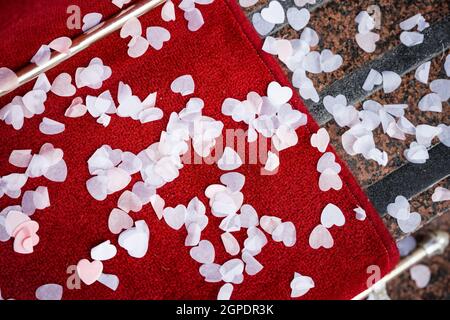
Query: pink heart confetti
point(89, 272)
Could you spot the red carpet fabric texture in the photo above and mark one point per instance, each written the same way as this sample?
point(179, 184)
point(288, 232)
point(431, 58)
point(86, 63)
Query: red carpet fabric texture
point(225, 60)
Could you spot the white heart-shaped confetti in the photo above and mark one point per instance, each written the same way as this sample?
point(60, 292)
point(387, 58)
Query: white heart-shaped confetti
point(440, 194)
point(131, 28)
point(411, 223)
point(230, 243)
point(168, 11)
point(261, 26)
point(119, 220)
point(332, 216)
point(204, 253)
point(135, 240)
point(233, 180)
point(104, 251)
point(109, 280)
point(183, 85)
point(230, 160)
point(285, 232)
point(421, 274)
point(232, 270)
point(367, 41)
point(51, 127)
point(374, 78)
point(211, 272)
point(320, 140)
point(175, 217)
point(49, 291)
point(194, 233)
point(128, 201)
point(274, 13)
point(391, 81)
point(62, 85)
point(442, 88)
point(298, 19)
point(300, 285)
point(430, 102)
point(194, 18)
point(8, 79)
point(225, 292)
point(277, 94)
point(90, 20)
point(61, 44)
point(320, 237)
point(400, 209)
point(422, 72)
point(252, 266)
point(156, 37)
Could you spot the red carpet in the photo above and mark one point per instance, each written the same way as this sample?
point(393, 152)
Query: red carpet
point(225, 60)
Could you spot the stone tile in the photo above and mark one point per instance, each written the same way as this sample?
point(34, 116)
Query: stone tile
point(428, 209)
point(410, 92)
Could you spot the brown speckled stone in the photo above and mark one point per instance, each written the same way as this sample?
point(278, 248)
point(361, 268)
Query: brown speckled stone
point(335, 24)
point(403, 287)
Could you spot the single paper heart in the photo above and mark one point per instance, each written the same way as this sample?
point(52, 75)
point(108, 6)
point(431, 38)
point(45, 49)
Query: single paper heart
point(119, 220)
point(233, 180)
point(329, 180)
point(175, 217)
point(411, 224)
point(286, 233)
point(137, 47)
point(62, 85)
point(274, 13)
point(89, 272)
point(391, 81)
point(61, 44)
point(135, 240)
point(204, 252)
point(8, 79)
point(367, 41)
point(321, 237)
point(277, 94)
point(129, 201)
point(421, 274)
point(327, 161)
point(320, 140)
point(49, 291)
point(261, 26)
point(168, 11)
point(109, 280)
point(332, 216)
point(104, 251)
point(300, 285)
point(156, 37)
point(298, 19)
point(230, 160)
point(194, 18)
point(183, 85)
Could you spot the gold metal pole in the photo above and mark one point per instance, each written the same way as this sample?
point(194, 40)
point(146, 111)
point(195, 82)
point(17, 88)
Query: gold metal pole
point(436, 244)
point(32, 71)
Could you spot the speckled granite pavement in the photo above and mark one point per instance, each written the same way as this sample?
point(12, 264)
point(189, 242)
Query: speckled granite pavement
point(334, 22)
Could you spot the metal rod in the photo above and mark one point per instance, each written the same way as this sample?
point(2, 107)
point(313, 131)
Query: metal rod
point(436, 244)
point(32, 71)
